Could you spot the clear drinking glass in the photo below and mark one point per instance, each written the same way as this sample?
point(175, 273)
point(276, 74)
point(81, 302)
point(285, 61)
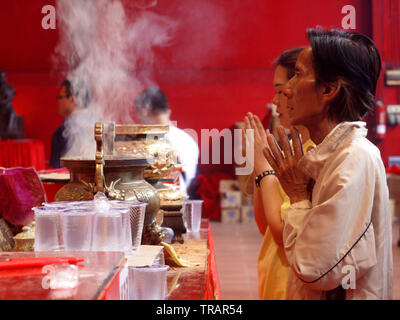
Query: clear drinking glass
point(192, 215)
point(47, 229)
point(67, 204)
point(77, 228)
point(148, 283)
point(126, 229)
point(137, 213)
point(135, 216)
point(108, 234)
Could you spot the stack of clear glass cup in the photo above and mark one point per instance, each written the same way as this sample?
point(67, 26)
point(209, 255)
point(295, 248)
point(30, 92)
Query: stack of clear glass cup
point(98, 225)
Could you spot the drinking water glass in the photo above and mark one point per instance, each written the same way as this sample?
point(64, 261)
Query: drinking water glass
point(126, 229)
point(77, 228)
point(108, 232)
point(133, 220)
point(192, 215)
point(148, 283)
point(137, 215)
point(47, 229)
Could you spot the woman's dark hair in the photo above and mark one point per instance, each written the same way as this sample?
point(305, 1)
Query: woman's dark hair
point(153, 99)
point(80, 91)
point(288, 60)
point(352, 59)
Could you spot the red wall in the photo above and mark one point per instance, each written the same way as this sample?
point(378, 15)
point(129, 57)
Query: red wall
point(386, 33)
point(218, 67)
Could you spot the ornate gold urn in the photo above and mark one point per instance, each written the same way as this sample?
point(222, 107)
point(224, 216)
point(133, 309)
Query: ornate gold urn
point(119, 176)
point(25, 240)
point(147, 141)
point(150, 141)
point(130, 162)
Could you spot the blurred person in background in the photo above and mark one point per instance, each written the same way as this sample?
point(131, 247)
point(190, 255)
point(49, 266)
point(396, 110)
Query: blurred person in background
point(71, 104)
point(152, 108)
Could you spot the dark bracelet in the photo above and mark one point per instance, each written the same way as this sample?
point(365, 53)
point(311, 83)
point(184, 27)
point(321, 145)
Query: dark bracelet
point(262, 175)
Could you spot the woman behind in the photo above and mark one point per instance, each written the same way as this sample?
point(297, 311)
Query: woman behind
point(270, 201)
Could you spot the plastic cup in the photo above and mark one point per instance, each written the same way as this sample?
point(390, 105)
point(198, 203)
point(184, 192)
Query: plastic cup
point(136, 215)
point(77, 229)
point(148, 283)
point(108, 232)
point(192, 215)
point(55, 206)
point(68, 204)
point(126, 229)
point(47, 229)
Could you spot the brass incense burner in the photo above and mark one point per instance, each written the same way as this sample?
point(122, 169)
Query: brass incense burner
point(119, 176)
point(150, 140)
point(147, 141)
point(130, 161)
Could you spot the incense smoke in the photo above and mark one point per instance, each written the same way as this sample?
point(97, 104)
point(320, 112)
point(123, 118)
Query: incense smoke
point(109, 46)
point(101, 48)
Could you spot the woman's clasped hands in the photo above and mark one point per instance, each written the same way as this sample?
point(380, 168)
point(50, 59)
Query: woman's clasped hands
point(257, 137)
point(286, 164)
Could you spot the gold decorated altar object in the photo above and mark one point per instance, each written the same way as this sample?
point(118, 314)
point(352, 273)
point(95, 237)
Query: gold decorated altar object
point(146, 141)
point(25, 240)
point(118, 176)
point(130, 161)
point(150, 140)
point(6, 236)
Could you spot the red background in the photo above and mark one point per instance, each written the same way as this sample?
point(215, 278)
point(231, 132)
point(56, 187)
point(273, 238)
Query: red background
point(218, 67)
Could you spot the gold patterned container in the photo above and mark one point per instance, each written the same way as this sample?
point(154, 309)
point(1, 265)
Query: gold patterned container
point(25, 240)
point(146, 141)
point(123, 180)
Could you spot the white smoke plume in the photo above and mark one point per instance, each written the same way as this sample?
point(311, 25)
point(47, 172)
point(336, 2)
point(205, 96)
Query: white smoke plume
point(101, 46)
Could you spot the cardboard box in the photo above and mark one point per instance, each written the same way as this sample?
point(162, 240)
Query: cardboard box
point(231, 199)
point(231, 215)
point(247, 214)
point(228, 185)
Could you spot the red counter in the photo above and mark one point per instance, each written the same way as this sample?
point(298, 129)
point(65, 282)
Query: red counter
point(199, 282)
point(102, 275)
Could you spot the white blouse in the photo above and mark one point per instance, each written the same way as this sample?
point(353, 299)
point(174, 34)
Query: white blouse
point(343, 236)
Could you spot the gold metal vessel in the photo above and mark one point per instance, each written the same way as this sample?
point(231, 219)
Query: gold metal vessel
point(146, 141)
point(130, 160)
point(25, 240)
point(119, 177)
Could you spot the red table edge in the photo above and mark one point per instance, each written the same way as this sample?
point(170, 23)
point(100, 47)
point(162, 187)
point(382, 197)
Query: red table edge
point(112, 283)
point(212, 290)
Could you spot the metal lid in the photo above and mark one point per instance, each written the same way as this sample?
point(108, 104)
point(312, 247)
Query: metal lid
point(130, 129)
point(109, 162)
